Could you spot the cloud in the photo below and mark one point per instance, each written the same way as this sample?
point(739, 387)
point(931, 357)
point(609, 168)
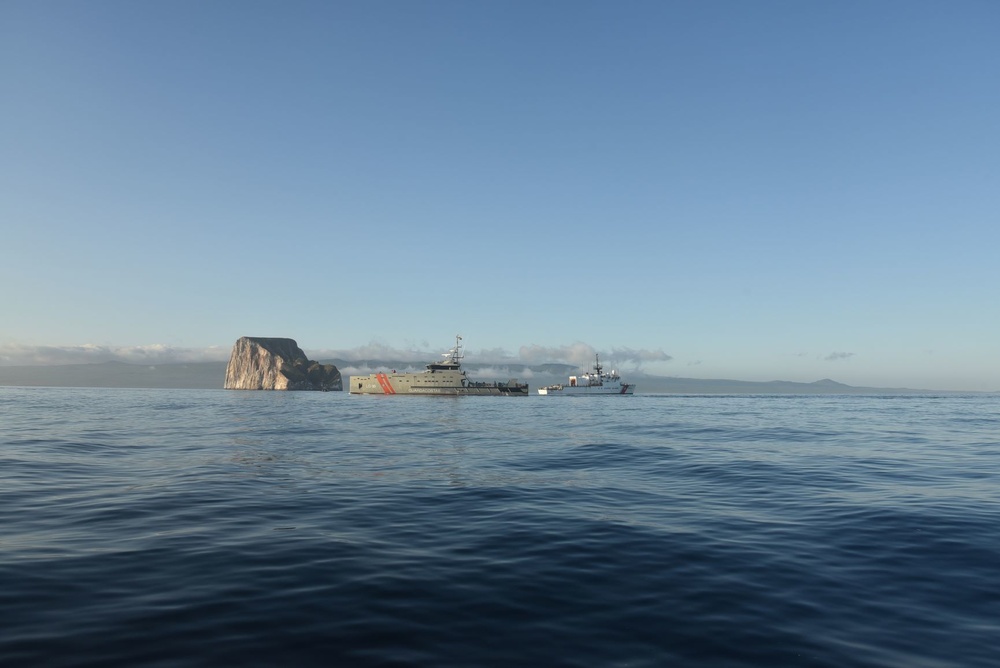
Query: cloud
point(500, 372)
point(582, 355)
point(14, 354)
point(381, 352)
point(637, 357)
point(496, 355)
point(373, 351)
point(364, 369)
point(578, 354)
point(836, 357)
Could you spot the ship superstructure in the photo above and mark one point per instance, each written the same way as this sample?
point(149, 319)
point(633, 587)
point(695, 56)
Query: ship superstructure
point(596, 383)
point(440, 378)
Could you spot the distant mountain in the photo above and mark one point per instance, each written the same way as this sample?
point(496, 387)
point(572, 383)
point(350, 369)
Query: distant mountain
point(674, 385)
point(211, 375)
point(826, 382)
point(199, 375)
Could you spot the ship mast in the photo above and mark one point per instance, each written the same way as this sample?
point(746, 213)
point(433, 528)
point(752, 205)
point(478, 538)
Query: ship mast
point(455, 353)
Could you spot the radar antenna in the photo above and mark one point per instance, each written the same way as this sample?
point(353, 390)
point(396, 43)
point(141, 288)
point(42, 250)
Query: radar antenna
point(455, 353)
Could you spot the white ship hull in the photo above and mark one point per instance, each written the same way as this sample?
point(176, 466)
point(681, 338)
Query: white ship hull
point(594, 384)
point(586, 391)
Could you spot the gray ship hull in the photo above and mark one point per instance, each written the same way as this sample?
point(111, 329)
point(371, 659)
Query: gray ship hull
point(431, 385)
point(493, 390)
point(440, 379)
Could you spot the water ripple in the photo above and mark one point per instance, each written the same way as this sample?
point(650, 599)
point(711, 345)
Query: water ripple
point(209, 527)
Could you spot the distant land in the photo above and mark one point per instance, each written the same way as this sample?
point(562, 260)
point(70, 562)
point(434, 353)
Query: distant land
point(211, 375)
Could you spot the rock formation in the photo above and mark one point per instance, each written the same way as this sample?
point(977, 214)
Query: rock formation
point(259, 363)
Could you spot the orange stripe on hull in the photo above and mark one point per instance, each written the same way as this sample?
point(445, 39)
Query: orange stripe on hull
point(383, 380)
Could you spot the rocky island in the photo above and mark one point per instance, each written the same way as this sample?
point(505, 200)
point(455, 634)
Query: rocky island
point(264, 363)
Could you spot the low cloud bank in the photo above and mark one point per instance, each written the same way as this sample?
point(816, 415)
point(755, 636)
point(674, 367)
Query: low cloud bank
point(22, 355)
point(578, 354)
point(372, 351)
point(582, 355)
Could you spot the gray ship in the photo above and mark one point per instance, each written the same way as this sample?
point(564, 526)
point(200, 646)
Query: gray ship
point(441, 378)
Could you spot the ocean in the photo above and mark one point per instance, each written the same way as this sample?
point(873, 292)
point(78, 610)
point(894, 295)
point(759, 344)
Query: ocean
point(170, 527)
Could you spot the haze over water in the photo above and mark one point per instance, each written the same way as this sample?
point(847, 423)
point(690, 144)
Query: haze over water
point(204, 527)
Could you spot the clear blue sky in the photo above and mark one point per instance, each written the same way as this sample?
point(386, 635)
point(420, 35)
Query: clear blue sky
point(756, 190)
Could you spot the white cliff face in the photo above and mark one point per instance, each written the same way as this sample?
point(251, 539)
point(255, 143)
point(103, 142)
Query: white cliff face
point(259, 363)
point(254, 367)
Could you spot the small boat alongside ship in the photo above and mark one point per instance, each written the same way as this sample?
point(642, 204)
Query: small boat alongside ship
point(445, 378)
point(594, 383)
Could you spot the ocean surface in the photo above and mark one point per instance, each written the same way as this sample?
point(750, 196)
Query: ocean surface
point(212, 527)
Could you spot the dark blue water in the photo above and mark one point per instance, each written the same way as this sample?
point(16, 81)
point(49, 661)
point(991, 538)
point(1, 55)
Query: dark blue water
point(201, 527)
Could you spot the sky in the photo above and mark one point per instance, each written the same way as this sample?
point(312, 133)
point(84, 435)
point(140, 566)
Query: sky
point(725, 189)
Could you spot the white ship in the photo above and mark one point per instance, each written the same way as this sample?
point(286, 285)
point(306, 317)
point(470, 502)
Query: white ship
point(591, 384)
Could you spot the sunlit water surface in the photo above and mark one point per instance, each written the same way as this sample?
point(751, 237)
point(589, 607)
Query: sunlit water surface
point(209, 527)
